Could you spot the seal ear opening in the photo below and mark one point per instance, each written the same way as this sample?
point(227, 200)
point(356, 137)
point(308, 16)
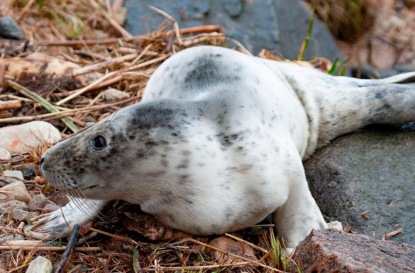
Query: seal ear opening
point(99, 143)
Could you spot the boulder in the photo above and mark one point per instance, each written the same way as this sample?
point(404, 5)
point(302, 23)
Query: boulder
point(366, 181)
point(24, 137)
point(333, 251)
point(271, 24)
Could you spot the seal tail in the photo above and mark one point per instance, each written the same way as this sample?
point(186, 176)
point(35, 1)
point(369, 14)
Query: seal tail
point(349, 104)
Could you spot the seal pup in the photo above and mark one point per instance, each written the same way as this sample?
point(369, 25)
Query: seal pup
point(217, 144)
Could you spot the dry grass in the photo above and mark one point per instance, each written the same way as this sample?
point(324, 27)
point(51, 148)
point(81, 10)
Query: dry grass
point(88, 34)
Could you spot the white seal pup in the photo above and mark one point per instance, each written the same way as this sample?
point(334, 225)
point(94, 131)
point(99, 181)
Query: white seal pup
point(217, 144)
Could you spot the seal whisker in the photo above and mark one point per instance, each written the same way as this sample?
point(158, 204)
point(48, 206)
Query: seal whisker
point(87, 205)
point(81, 202)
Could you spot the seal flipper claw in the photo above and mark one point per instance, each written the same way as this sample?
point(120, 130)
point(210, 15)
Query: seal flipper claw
point(61, 222)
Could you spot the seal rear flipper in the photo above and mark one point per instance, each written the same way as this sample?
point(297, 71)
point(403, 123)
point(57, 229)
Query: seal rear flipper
point(400, 78)
point(352, 104)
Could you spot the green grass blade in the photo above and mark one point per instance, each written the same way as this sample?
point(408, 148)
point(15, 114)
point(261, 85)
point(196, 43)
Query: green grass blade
point(333, 67)
point(135, 258)
point(25, 91)
point(306, 41)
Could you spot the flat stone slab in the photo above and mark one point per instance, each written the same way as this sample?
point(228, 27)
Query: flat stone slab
point(367, 180)
point(333, 251)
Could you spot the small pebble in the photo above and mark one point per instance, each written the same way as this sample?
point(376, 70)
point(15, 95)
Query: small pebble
point(5, 207)
point(10, 237)
point(4, 154)
point(9, 29)
point(29, 171)
point(40, 265)
point(49, 208)
point(15, 174)
point(38, 202)
point(20, 215)
point(112, 94)
point(14, 191)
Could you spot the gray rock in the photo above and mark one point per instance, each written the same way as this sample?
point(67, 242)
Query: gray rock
point(20, 215)
point(28, 172)
point(4, 180)
point(14, 204)
point(112, 94)
point(332, 251)
point(367, 171)
point(10, 237)
point(270, 24)
point(17, 209)
point(40, 265)
point(14, 174)
point(4, 154)
point(38, 202)
point(9, 29)
point(408, 127)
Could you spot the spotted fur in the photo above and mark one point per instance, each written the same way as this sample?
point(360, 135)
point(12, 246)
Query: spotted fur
point(217, 144)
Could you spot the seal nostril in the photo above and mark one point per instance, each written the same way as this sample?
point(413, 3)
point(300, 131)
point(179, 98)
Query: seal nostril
point(42, 160)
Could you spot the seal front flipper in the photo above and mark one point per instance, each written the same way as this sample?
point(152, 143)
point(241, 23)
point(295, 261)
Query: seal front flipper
point(299, 214)
point(61, 222)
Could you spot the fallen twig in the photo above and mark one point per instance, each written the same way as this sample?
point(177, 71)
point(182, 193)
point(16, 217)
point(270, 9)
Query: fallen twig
point(71, 245)
point(199, 29)
point(10, 104)
point(175, 25)
point(86, 88)
point(101, 65)
point(49, 248)
point(121, 238)
point(196, 268)
point(393, 233)
point(66, 112)
point(246, 242)
point(252, 262)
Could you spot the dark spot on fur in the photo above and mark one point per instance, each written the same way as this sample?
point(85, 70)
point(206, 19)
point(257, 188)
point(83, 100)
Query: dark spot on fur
point(172, 218)
point(155, 174)
point(186, 153)
point(208, 69)
point(183, 179)
point(224, 140)
point(150, 143)
point(167, 196)
point(184, 164)
point(164, 163)
point(379, 95)
point(228, 213)
point(215, 228)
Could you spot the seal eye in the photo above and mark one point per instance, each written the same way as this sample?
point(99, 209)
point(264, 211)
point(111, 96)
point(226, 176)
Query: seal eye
point(99, 143)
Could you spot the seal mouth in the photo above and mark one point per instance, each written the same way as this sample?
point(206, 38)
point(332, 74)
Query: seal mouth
point(89, 187)
point(77, 191)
